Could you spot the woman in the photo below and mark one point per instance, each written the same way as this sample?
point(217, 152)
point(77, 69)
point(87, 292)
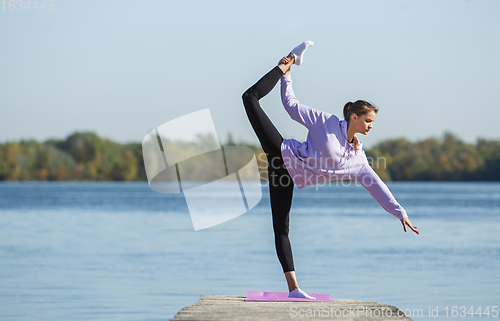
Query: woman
point(330, 152)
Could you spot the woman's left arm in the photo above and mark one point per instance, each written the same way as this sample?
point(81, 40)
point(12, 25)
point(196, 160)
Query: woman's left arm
point(381, 193)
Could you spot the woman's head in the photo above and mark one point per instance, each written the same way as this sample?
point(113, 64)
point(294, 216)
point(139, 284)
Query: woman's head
point(361, 115)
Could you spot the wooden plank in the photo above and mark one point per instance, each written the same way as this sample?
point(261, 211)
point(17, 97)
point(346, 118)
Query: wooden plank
point(231, 307)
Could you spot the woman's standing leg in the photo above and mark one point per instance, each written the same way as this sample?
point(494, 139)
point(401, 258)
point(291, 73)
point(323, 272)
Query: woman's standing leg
point(271, 139)
point(280, 183)
point(281, 193)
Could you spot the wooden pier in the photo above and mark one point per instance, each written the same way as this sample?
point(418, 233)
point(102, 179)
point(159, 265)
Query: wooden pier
point(231, 307)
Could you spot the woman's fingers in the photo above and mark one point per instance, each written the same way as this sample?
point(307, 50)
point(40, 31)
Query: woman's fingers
point(284, 60)
point(406, 222)
point(413, 228)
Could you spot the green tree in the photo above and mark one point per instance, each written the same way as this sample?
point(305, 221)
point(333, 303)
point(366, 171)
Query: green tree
point(125, 169)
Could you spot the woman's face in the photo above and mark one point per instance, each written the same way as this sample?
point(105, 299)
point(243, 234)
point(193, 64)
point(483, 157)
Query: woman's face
point(362, 124)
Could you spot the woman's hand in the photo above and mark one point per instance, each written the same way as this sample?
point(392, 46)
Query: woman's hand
point(284, 61)
point(288, 60)
point(406, 222)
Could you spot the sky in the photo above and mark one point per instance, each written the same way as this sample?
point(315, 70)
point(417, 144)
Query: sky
point(123, 68)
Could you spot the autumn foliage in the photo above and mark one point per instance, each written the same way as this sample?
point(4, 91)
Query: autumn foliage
point(86, 156)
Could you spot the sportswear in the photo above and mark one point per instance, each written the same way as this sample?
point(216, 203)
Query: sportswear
point(279, 181)
point(327, 155)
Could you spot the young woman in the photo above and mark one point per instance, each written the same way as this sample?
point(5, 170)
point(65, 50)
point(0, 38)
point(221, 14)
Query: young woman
point(330, 152)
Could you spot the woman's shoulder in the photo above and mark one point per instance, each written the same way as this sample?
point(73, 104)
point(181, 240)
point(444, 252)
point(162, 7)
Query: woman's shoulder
point(332, 121)
point(330, 117)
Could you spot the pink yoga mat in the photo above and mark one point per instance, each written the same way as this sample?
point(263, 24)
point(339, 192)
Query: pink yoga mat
point(283, 296)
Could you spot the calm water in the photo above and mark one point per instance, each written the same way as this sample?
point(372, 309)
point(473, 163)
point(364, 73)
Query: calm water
point(119, 251)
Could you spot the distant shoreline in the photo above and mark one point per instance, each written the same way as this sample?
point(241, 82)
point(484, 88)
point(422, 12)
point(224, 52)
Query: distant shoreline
point(84, 156)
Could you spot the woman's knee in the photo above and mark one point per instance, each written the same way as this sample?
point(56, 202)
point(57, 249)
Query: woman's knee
point(248, 96)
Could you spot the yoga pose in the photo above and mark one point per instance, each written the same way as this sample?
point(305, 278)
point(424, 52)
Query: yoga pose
point(330, 152)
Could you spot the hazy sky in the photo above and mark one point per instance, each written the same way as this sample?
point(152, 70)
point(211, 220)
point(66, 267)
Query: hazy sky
point(122, 68)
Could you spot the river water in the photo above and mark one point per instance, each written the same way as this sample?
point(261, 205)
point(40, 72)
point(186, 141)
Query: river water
point(119, 251)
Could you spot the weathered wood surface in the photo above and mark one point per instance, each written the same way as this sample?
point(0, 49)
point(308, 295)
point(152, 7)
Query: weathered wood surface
point(231, 307)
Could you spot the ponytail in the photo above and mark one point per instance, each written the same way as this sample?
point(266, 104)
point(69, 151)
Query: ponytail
point(346, 109)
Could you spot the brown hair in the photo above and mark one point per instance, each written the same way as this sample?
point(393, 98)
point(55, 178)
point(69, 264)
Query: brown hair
point(359, 107)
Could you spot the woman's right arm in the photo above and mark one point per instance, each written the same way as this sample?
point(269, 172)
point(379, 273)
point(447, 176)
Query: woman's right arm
point(298, 112)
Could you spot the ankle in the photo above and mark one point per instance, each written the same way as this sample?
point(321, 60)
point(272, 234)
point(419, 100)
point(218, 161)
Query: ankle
point(285, 67)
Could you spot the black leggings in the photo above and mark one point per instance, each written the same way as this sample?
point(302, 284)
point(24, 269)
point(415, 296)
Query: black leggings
point(280, 182)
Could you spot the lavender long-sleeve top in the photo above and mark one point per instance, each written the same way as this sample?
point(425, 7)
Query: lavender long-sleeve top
point(327, 155)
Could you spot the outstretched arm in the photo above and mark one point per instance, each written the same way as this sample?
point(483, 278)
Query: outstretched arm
point(381, 193)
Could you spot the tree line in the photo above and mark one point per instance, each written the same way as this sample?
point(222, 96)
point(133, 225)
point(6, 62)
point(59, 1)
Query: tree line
point(84, 156)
